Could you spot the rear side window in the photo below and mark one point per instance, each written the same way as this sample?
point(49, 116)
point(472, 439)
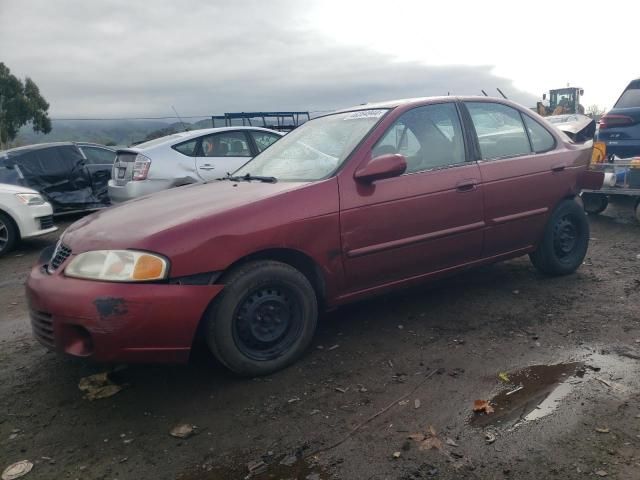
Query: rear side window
point(630, 97)
point(541, 139)
point(499, 129)
point(263, 139)
point(187, 148)
point(99, 156)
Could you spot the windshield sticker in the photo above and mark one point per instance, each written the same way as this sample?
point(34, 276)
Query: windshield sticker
point(365, 114)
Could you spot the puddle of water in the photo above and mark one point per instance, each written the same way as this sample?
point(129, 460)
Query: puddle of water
point(300, 470)
point(542, 387)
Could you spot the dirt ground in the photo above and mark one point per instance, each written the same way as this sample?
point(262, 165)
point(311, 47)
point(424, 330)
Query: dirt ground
point(572, 344)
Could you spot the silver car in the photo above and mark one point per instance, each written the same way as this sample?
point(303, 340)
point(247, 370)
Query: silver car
point(184, 158)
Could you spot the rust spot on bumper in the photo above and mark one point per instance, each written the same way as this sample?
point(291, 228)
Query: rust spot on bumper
point(110, 306)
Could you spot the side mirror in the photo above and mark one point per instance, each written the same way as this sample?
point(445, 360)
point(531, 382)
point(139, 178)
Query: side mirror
point(581, 91)
point(384, 166)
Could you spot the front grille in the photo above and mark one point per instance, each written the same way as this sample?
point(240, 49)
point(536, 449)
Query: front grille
point(46, 222)
point(42, 326)
point(60, 254)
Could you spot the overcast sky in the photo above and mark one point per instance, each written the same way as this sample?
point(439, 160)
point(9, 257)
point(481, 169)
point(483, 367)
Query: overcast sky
point(112, 58)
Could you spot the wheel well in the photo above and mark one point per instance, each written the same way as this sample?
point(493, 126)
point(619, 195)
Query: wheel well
point(13, 222)
point(298, 260)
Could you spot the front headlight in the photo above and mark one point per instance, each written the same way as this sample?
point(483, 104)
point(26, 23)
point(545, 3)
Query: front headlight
point(118, 266)
point(30, 198)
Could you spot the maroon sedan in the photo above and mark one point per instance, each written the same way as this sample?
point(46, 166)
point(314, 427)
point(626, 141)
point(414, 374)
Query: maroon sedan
point(349, 205)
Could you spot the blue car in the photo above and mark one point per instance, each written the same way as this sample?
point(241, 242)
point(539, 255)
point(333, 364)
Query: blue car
point(620, 127)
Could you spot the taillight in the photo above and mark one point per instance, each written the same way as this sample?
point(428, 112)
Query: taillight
point(613, 120)
point(141, 166)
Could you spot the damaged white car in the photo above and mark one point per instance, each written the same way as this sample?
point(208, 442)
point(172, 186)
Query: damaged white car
point(185, 158)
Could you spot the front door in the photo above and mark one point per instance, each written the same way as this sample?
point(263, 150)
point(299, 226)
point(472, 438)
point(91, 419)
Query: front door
point(222, 153)
point(426, 220)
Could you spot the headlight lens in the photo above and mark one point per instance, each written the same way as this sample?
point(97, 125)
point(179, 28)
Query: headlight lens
point(30, 198)
point(118, 266)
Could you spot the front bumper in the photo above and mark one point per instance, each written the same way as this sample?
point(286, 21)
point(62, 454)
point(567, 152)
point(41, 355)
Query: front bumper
point(116, 322)
point(36, 220)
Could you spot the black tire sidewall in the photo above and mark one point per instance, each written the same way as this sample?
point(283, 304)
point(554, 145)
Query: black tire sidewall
point(550, 262)
point(594, 203)
point(12, 233)
point(238, 285)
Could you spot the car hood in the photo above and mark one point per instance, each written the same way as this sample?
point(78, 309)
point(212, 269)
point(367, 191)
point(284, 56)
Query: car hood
point(136, 223)
point(8, 188)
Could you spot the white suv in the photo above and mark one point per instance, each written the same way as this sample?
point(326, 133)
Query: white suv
point(23, 214)
point(184, 158)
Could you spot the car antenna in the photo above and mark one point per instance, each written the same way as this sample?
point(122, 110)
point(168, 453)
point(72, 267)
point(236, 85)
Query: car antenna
point(503, 95)
point(176, 112)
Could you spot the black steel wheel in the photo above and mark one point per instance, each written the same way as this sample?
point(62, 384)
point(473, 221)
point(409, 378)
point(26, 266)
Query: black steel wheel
point(267, 322)
point(565, 241)
point(263, 320)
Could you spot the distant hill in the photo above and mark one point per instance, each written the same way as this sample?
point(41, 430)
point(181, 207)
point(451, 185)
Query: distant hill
point(106, 132)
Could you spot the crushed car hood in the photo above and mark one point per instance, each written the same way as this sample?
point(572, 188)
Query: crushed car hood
point(135, 223)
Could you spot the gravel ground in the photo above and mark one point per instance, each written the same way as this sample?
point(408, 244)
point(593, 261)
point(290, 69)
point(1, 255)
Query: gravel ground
point(386, 391)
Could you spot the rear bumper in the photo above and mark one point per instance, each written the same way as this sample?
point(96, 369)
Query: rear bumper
point(114, 322)
point(623, 148)
point(131, 190)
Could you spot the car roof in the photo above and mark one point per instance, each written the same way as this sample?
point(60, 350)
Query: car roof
point(178, 137)
point(37, 146)
point(417, 101)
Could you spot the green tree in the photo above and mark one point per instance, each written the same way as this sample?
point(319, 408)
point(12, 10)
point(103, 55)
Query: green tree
point(20, 103)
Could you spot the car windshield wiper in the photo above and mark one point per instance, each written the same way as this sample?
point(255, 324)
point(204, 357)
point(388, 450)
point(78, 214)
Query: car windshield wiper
point(248, 177)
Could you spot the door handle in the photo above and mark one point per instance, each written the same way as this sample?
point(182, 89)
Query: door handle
point(205, 167)
point(558, 168)
point(466, 185)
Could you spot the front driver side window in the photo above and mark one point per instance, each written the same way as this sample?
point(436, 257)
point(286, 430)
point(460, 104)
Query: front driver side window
point(429, 137)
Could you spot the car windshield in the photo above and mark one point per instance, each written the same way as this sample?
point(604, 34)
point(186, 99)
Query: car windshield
point(314, 150)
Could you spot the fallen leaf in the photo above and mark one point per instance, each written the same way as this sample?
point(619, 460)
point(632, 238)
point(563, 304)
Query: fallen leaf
point(416, 403)
point(396, 454)
point(184, 430)
point(489, 437)
point(482, 406)
point(451, 442)
point(431, 443)
point(17, 470)
point(432, 431)
point(504, 377)
point(601, 473)
point(99, 386)
point(602, 430)
point(341, 390)
point(416, 437)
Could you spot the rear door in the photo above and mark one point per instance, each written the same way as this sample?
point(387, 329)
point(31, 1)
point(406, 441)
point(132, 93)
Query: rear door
point(222, 153)
point(426, 220)
point(523, 176)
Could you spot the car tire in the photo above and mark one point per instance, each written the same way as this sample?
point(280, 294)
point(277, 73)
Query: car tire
point(8, 234)
point(565, 241)
point(263, 320)
point(594, 203)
